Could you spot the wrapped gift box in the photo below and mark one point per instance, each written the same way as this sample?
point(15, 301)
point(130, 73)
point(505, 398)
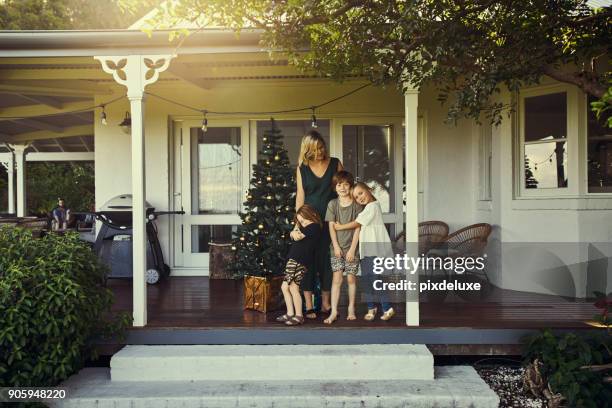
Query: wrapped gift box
point(263, 293)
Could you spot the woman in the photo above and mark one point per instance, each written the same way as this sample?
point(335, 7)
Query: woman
point(314, 187)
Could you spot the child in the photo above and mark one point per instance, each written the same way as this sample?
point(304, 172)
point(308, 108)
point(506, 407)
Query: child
point(374, 242)
point(343, 249)
point(300, 255)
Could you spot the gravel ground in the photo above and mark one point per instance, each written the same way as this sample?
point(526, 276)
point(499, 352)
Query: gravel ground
point(507, 382)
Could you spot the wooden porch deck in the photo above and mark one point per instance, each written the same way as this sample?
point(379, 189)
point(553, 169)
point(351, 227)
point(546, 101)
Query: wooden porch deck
point(197, 302)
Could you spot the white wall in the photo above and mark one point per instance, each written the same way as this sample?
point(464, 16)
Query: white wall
point(450, 188)
point(112, 152)
point(542, 243)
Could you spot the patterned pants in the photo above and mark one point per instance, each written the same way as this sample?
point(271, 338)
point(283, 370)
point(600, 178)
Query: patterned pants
point(294, 272)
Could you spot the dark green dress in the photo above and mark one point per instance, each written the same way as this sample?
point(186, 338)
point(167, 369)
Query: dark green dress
point(318, 192)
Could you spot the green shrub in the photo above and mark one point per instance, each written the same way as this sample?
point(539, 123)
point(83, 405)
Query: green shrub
point(53, 305)
point(574, 365)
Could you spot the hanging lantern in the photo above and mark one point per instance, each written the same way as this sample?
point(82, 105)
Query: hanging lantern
point(126, 125)
point(204, 122)
point(314, 119)
point(103, 116)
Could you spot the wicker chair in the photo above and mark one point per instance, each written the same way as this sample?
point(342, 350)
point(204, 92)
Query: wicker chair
point(431, 233)
point(468, 241)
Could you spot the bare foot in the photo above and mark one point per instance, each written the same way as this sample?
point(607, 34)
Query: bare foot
point(351, 314)
point(332, 318)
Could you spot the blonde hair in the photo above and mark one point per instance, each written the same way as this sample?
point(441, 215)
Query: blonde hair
point(309, 213)
point(367, 188)
point(310, 142)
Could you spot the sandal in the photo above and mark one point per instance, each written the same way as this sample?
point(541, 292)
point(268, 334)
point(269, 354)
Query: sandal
point(295, 320)
point(371, 314)
point(311, 314)
point(283, 318)
point(388, 314)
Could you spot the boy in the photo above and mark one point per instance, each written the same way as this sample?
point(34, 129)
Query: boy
point(344, 249)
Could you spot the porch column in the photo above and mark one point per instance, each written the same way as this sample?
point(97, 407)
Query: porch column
point(411, 99)
point(20, 164)
point(9, 164)
point(135, 72)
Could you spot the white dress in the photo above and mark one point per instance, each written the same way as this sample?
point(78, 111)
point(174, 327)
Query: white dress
point(373, 238)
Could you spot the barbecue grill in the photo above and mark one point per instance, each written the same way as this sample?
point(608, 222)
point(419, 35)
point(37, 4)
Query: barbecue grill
point(114, 241)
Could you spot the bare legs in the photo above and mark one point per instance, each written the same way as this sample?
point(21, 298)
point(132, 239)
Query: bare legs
point(293, 298)
point(352, 294)
point(294, 289)
point(288, 299)
point(335, 297)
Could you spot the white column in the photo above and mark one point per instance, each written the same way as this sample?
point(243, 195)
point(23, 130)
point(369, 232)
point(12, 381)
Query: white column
point(139, 211)
point(136, 72)
point(20, 164)
point(411, 100)
point(9, 164)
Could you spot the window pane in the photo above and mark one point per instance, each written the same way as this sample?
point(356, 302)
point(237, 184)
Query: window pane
point(292, 130)
point(216, 163)
point(546, 117)
point(546, 165)
point(366, 152)
point(599, 155)
point(202, 235)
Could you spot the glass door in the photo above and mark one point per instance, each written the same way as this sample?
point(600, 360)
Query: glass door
point(214, 168)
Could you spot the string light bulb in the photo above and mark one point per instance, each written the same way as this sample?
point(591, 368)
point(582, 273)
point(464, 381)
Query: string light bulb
point(103, 116)
point(205, 121)
point(314, 118)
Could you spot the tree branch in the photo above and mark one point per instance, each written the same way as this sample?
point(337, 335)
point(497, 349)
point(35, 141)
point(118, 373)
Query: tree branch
point(351, 4)
point(588, 85)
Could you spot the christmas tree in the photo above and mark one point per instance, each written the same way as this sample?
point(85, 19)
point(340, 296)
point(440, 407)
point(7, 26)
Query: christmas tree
point(262, 241)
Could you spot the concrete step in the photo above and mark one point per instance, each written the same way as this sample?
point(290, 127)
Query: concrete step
point(454, 386)
point(385, 362)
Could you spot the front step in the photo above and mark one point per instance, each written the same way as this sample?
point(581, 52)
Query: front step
point(454, 386)
point(384, 362)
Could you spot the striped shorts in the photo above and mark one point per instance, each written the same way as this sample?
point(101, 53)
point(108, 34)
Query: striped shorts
point(294, 272)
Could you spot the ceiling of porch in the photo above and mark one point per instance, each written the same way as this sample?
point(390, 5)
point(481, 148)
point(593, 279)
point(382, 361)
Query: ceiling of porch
point(39, 96)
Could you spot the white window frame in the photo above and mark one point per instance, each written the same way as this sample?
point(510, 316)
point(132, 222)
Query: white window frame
point(573, 155)
point(183, 261)
point(583, 108)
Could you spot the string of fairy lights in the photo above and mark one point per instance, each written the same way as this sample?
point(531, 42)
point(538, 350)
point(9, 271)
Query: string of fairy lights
point(203, 111)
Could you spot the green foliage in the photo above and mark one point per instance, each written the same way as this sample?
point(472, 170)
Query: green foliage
point(262, 241)
point(565, 359)
point(603, 106)
point(468, 50)
point(48, 181)
point(604, 303)
point(69, 14)
point(53, 305)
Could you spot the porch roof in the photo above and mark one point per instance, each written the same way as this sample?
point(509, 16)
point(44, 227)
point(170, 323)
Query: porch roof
point(123, 42)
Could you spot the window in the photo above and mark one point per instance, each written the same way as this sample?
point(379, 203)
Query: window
point(203, 235)
point(216, 170)
point(599, 152)
point(544, 141)
point(366, 152)
point(293, 131)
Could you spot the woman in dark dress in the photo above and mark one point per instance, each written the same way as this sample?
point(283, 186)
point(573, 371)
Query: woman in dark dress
point(314, 187)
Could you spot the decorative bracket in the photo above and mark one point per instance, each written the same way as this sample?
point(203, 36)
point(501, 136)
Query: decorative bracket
point(135, 72)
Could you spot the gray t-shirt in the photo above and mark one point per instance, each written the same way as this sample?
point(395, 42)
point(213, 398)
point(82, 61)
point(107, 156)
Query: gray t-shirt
point(343, 215)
